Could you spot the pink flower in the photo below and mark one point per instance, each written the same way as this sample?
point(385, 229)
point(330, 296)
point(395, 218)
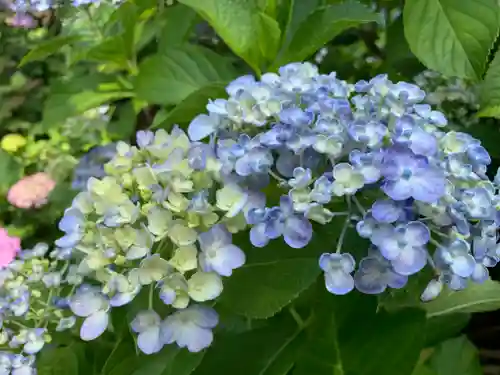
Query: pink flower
point(9, 247)
point(31, 191)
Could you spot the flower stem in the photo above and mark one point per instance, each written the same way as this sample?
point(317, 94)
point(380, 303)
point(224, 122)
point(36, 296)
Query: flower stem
point(150, 299)
point(344, 228)
point(358, 205)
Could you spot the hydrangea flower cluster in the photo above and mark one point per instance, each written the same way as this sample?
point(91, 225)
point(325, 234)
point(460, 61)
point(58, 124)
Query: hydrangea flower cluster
point(92, 165)
point(161, 223)
point(31, 191)
point(326, 142)
point(34, 296)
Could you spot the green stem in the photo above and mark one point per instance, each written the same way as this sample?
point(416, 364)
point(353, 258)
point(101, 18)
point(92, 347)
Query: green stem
point(296, 317)
point(16, 323)
point(344, 228)
point(150, 298)
point(358, 205)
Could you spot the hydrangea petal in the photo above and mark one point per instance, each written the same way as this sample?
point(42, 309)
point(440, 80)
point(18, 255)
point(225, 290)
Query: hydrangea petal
point(94, 325)
point(149, 341)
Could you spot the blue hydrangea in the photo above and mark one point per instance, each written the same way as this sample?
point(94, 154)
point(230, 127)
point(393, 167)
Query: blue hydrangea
point(167, 190)
point(92, 165)
point(328, 142)
point(25, 313)
point(280, 221)
point(218, 253)
point(375, 274)
point(338, 269)
point(190, 328)
point(279, 157)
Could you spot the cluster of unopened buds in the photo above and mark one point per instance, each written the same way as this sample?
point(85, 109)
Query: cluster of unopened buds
point(458, 98)
point(160, 222)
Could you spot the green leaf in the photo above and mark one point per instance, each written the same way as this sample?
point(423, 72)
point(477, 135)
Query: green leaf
point(266, 351)
point(170, 361)
point(48, 48)
point(191, 106)
point(122, 352)
point(122, 125)
point(10, 170)
point(457, 356)
point(321, 26)
point(171, 77)
point(397, 51)
point(334, 335)
point(111, 50)
point(269, 286)
point(443, 327)
point(475, 298)
point(423, 370)
point(298, 11)
point(128, 16)
point(489, 90)
point(237, 22)
point(452, 37)
point(362, 343)
point(57, 361)
point(274, 276)
point(126, 367)
point(74, 96)
point(269, 37)
point(179, 21)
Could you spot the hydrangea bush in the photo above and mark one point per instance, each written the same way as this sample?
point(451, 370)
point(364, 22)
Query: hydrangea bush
point(237, 209)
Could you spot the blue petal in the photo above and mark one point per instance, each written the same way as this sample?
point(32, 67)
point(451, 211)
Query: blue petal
point(423, 143)
point(194, 338)
point(258, 236)
point(204, 316)
point(149, 341)
point(144, 138)
point(286, 163)
point(410, 260)
point(201, 126)
point(395, 280)
point(417, 233)
point(120, 299)
point(228, 258)
point(94, 326)
point(69, 240)
point(370, 277)
point(389, 247)
point(86, 303)
point(274, 226)
point(298, 232)
point(338, 282)
point(398, 190)
point(386, 211)
point(429, 187)
point(463, 266)
point(480, 273)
